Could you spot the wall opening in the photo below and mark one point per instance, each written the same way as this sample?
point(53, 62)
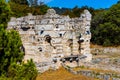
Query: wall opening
point(60, 35)
point(48, 38)
point(40, 49)
point(88, 32)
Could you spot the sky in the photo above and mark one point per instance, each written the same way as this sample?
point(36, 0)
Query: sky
point(72, 3)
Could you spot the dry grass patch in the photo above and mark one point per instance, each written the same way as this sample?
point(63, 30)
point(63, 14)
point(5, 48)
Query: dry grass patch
point(100, 46)
point(95, 46)
point(61, 74)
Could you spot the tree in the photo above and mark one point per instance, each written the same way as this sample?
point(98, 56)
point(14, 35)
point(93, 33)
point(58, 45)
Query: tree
point(23, 10)
point(106, 27)
point(23, 71)
point(10, 51)
point(21, 2)
point(43, 9)
point(76, 11)
point(5, 13)
point(19, 10)
point(11, 54)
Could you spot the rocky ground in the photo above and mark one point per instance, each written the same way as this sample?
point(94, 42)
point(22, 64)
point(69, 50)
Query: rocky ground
point(107, 58)
point(104, 61)
point(61, 74)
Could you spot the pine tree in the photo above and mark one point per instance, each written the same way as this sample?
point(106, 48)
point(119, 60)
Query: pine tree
point(10, 51)
point(4, 13)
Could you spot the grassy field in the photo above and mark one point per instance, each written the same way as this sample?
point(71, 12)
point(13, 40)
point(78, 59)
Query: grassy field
point(61, 74)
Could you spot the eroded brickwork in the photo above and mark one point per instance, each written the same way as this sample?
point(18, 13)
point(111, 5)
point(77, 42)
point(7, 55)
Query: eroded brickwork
point(50, 36)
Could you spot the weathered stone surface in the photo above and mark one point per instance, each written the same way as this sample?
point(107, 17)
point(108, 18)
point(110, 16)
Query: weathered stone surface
point(93, 74)
point(44, 37)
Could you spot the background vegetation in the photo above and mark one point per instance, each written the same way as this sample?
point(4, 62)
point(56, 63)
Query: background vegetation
point(105, 28)
point(11, 53)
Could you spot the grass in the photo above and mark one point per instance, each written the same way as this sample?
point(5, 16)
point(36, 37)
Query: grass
point(95, 70)
point(61, 74)
point(100, 46)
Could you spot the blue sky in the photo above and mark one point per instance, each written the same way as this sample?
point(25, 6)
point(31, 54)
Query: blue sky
point(72, 3)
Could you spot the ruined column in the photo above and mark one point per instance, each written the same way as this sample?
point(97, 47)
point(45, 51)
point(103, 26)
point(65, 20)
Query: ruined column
point(87, 35)
point(75, 44)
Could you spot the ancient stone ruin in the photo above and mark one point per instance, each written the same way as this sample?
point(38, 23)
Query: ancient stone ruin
point(47, 38)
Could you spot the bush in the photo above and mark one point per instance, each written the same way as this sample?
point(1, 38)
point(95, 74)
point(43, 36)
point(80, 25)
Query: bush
point(23, 71)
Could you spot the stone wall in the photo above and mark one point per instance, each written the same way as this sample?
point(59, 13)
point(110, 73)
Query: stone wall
point(52, 36)
point(97, 75)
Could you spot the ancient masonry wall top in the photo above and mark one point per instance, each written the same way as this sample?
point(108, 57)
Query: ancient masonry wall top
point(50, 36)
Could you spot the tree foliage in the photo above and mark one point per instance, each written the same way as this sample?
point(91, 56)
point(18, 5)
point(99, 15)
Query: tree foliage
point(106, 27)
point(10, 51)
point(76, 11)
point(22, 10)
point(23, 71)
point(21, 2)
point(5, 13)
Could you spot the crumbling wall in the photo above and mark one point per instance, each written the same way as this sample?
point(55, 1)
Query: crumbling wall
point(50, 36)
